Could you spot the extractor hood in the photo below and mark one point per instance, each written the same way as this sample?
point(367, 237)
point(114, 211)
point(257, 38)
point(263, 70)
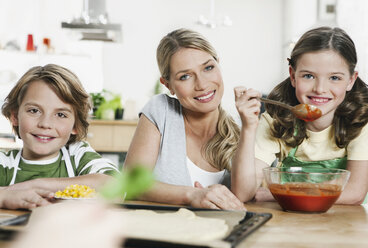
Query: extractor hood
point(93, 24)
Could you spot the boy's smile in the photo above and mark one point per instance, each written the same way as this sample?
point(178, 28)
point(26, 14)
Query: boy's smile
point(45, 122)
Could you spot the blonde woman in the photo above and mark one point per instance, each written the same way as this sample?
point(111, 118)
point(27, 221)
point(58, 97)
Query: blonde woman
point(188, 141)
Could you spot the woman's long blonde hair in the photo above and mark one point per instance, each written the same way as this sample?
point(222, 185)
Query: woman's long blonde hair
point(220, 149)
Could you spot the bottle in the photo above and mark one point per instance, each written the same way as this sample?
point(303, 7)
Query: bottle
point(30, 46)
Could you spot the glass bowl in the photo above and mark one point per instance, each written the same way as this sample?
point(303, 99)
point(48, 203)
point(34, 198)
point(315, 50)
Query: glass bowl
point(305, 189)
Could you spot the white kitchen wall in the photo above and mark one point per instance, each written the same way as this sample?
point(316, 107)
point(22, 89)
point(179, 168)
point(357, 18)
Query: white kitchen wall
point(353, 18)
point(250, 51)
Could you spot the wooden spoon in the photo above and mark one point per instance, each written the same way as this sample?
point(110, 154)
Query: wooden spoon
point(302, 111)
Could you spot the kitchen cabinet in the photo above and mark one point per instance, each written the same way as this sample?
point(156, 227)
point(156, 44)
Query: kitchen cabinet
point(111, 136)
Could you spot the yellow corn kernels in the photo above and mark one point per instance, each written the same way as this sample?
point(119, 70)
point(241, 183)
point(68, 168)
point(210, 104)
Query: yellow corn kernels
point(76, 191)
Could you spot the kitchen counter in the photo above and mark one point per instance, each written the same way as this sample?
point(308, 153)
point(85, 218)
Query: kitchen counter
point(341, 226)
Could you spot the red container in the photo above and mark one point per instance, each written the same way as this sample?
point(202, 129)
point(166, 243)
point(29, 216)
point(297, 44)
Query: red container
point(305, 196)
point(306, 189)
point(30, 46)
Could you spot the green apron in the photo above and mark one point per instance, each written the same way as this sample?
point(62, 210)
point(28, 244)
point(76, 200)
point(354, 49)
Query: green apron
point(292, 161)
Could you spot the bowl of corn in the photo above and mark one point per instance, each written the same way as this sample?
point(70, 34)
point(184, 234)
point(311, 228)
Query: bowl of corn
point(76, 191)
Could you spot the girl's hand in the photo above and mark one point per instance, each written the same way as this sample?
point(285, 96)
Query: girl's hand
point(216, 196)
point(26, 199)
point(248, 106)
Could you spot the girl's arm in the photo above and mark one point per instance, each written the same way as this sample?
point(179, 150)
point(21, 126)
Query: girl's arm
point(144, 150)
point(246, 174)
point(357, 186)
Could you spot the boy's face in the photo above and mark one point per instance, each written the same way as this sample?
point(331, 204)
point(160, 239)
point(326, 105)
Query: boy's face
point(45, 122)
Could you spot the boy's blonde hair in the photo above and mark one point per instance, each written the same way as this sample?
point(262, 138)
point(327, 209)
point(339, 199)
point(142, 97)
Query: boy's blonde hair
point(65, 84)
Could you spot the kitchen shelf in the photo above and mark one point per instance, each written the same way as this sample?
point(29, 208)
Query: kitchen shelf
point(111, 136)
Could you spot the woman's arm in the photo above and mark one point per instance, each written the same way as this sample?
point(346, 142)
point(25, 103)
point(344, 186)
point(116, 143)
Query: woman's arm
point(144, 150)
point(357, 186)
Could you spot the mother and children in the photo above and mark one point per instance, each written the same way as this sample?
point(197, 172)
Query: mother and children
point(198, 154)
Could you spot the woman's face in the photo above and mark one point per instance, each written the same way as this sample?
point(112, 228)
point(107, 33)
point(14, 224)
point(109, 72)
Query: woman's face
point(322, 79)
point(196, 80)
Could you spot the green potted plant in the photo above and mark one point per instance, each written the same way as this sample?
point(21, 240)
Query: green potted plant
point(108, 109)
point(97, 99)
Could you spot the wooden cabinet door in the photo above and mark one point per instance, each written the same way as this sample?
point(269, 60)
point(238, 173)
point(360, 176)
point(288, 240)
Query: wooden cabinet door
point(123, 135)
point(100, 137)
point(111, 136)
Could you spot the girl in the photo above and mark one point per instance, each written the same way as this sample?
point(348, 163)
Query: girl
point(322, 73)
point(48, 109)
point(187, 141)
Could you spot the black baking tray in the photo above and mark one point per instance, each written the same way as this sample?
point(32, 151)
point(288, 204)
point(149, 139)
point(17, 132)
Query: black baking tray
point(8, 234)
point(250, 223)
point(19, 220)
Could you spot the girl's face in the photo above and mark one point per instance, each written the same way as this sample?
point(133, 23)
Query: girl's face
point(322, 79)
point(45, 122)
point(196, 80)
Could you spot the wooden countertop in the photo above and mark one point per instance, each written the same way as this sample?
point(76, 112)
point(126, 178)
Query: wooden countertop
point(341, 226)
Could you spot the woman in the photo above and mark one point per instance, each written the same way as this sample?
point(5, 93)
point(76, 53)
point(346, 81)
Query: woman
point(188, 141)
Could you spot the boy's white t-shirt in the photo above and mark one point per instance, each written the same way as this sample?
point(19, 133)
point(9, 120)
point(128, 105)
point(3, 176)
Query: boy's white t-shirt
point(206, 178)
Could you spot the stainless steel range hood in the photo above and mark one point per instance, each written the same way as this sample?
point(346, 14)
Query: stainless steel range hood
point(93, 24)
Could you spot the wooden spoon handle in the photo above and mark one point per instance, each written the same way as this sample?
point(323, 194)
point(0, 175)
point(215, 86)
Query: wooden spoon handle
point(281, 104)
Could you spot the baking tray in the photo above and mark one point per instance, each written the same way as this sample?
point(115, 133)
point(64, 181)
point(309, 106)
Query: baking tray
point(241, 227)
point(18, 220)
point(9, 227)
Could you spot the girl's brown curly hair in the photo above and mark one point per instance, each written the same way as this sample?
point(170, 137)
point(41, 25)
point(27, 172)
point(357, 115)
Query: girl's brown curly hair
point(350, 116)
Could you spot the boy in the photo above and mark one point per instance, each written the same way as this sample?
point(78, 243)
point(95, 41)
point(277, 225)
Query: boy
point(48, 109)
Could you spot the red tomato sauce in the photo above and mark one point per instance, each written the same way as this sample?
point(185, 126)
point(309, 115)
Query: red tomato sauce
point(305, 196)
point(312, 114)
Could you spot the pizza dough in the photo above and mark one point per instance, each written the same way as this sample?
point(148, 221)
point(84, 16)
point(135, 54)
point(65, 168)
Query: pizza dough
point(182, 226)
